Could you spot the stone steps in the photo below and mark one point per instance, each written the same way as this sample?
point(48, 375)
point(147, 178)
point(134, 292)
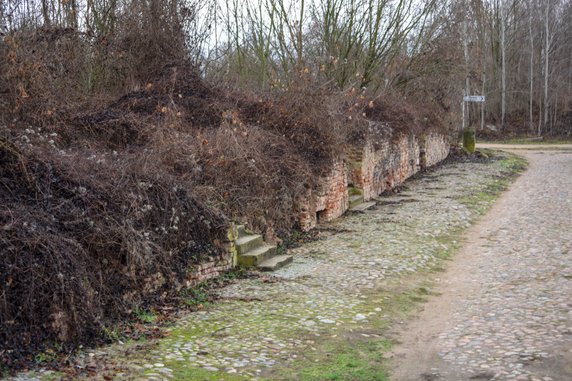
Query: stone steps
point(254, 252)
point(256, 256)
point(248, 243)
point(275, 263)
point(355, 200)
point(363, 207)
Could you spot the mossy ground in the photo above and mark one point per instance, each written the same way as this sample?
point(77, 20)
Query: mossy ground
point(529, 141)
point(350, 349)
point(357, 352)
point(482, 198)
point(360, 354)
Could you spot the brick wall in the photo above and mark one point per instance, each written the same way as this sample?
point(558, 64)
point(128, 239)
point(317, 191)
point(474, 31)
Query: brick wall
point(214, 267)
point(374, 169)
point(371, 168)
point(436, 148)
point(387, 166)
point(329, 201)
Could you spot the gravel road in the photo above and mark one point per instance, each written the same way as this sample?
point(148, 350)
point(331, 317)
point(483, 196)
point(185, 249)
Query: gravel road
point(505, 306)
point(338, 286)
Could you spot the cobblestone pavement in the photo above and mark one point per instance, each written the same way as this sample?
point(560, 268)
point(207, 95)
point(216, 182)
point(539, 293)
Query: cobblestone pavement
point(527, 147)
point(505, 312)
point(268, 323)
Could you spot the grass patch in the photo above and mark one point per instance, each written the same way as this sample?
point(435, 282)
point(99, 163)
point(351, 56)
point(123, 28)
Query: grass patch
point(450, 243)
point(482, 199)
point(513, 164)
point(530, 141)
point(359, 361)
point(145, 316)
point(196, 297)
point(192, 373)
point(357, 352)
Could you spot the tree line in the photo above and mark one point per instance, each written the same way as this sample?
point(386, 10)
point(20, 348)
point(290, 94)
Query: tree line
point(518, 53)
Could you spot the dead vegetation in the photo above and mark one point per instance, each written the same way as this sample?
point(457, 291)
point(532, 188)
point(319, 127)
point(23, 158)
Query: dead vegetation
point(86, 237)
point(114, 181)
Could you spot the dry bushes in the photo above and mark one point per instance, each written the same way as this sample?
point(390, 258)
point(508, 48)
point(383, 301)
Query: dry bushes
point(177, 100)
point(402, 116)
point(311, 119)
point(99, 208)
point(38, 77)
point(254, 175)
point(50, 72)
point(94, 213)
point(86, 240)
point(110, 190)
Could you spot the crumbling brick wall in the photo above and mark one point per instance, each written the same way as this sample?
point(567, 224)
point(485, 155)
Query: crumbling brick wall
point(215, 266)
point(436, 148)
point(329, 201)
point(384, 165)
point(373, 169)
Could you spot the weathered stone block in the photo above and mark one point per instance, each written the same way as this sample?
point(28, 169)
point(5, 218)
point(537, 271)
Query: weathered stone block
point(469, 139)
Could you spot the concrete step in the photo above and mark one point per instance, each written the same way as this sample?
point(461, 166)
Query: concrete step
point(242, 232)
point(248, 243)
point(356, 200)
point(363, 206)
point(275, 263)
point(257, 256)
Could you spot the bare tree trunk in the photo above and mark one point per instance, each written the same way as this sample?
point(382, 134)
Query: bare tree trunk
point(299, 40)
point(546, 71)
point(466, 55)
point(503, 66)
point(531, 78)
point(554, 113)
point(483, 77)
point(46, 13)
point(483, 103)
point(539, 119)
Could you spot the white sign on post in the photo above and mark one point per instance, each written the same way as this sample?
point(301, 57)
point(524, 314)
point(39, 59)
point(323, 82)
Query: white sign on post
point(474, 98)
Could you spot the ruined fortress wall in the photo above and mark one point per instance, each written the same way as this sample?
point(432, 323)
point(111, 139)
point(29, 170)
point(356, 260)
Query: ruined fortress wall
point(372, 169)
point(330, 200)
point(436, 148)
point(215, 266)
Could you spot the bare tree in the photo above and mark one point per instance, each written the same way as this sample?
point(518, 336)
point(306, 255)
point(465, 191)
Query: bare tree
point(503, 63)
point(531, 63)
point(546, 62)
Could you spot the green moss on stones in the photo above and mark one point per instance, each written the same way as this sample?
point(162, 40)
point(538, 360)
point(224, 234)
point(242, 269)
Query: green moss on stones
point(352, 191)
point(232, 235)
point(469, 139)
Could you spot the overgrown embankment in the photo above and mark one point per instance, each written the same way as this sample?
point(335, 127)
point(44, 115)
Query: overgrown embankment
point(107, 198)
point(331, 314)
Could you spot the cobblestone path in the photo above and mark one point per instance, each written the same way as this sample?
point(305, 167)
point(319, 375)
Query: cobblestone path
point(505, 312)
point(337, 286)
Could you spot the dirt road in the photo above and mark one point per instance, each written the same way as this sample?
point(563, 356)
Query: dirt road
point(504, 306)
point(527, 147)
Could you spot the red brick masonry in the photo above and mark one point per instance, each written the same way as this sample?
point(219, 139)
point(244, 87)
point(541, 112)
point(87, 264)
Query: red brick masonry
point(373, 169)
